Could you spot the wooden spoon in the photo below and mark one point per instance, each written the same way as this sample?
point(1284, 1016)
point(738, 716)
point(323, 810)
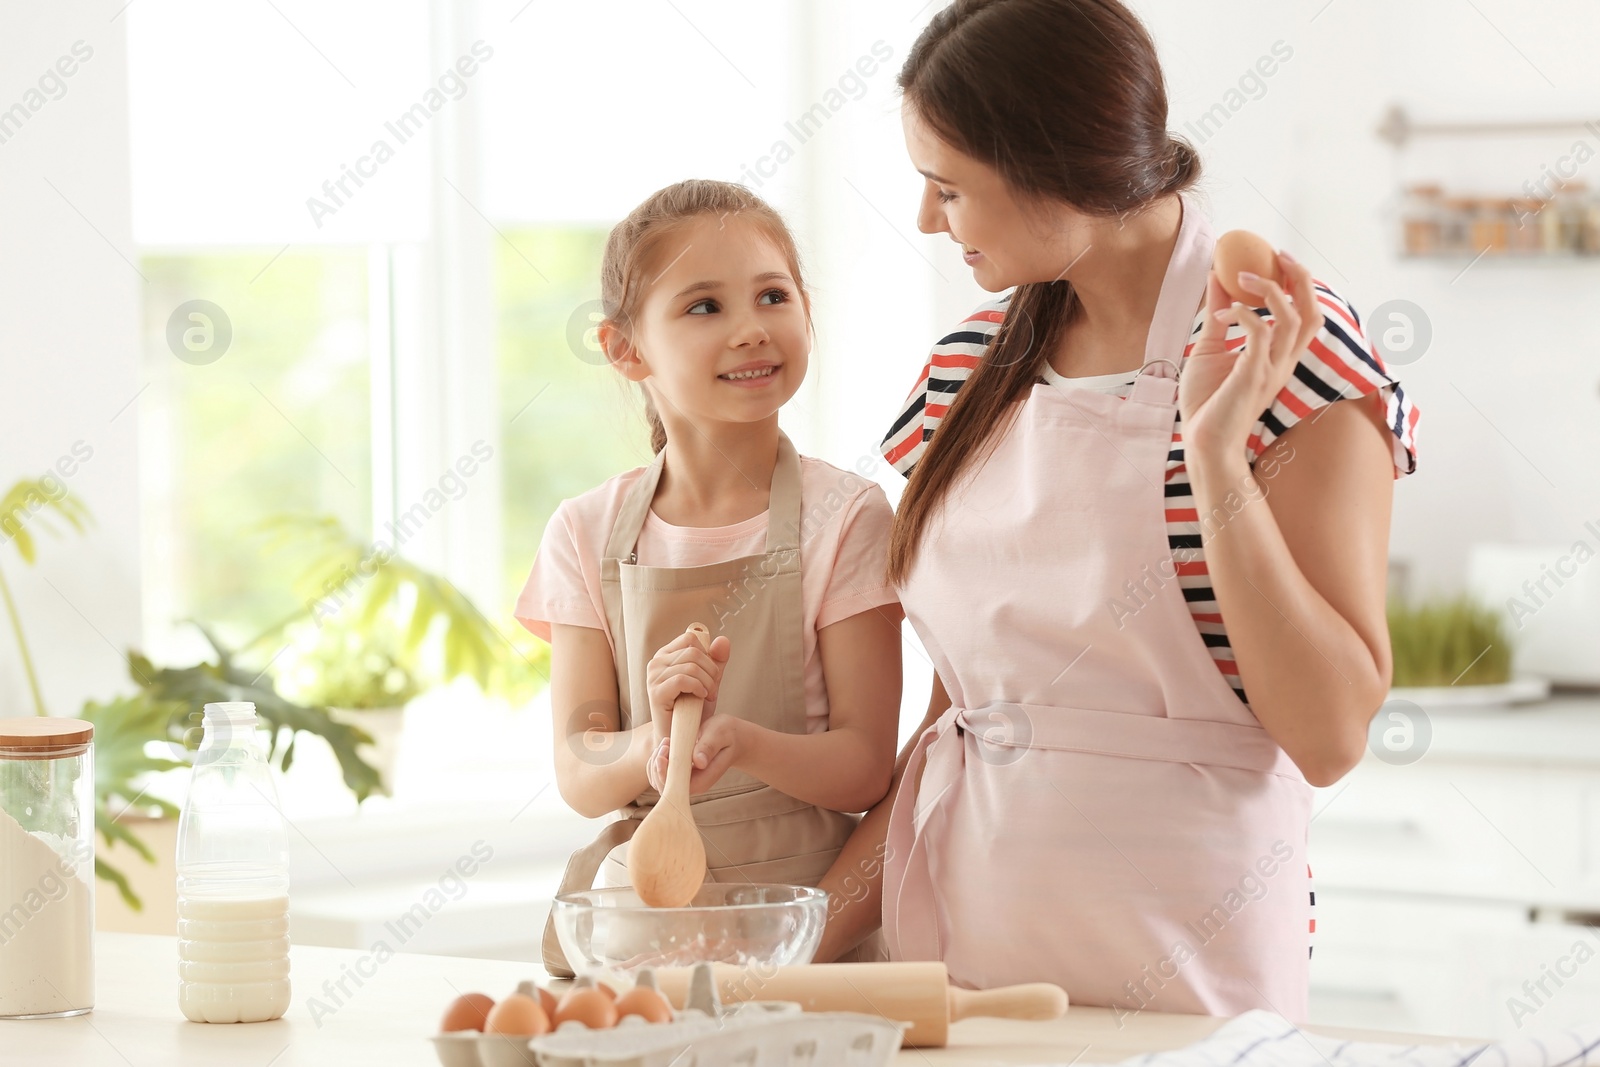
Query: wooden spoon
point(666, 857)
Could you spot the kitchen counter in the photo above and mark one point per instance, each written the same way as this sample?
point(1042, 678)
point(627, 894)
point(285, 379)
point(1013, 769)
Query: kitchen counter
point(386, 1021)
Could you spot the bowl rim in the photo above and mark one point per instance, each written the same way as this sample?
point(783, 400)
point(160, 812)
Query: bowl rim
point(804, 895)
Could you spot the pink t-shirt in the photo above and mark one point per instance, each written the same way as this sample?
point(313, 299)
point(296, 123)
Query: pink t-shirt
point(844, 540)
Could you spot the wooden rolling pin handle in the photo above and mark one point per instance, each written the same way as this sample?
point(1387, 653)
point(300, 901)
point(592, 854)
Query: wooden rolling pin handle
point(1037, 1000)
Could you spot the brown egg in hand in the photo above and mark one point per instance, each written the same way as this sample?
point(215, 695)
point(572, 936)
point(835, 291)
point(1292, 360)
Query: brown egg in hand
point(467, 1012)
point(647, 1004)
point(1241, 250)
point(591, 1007)
point(518, 1015)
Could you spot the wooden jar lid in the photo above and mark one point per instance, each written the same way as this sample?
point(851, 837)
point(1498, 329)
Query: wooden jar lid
point(43, 736)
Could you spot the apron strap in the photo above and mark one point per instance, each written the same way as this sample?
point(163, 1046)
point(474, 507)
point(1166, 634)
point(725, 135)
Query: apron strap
point(635, 508)
point(1186, 277)
point(783, 515)
point(580, 875)
point(910, 919)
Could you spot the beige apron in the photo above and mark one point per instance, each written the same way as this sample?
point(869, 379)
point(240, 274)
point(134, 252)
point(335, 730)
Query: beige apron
point(751, 831)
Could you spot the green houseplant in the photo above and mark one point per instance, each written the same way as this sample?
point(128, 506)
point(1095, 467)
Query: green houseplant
point(362, 677)
point(163, 715)
point(403, 613)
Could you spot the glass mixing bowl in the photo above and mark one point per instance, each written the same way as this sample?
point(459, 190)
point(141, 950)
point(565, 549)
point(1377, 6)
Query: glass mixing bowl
point(726, 922)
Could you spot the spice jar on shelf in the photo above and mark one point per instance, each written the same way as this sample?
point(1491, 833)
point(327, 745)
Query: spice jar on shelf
point(1490, 225)
point(1420, 220)
point(1591, 227)
point(1550, 227)
point(1455, 217)
point(1526, 232)
point(1572, 200)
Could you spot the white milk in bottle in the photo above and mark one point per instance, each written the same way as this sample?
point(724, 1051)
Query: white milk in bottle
point(233, 879)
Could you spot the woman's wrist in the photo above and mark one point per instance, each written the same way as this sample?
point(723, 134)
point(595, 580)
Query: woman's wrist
point(1213, 469)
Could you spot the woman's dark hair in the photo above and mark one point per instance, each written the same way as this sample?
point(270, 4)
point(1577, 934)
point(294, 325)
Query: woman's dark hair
point(1066, 101)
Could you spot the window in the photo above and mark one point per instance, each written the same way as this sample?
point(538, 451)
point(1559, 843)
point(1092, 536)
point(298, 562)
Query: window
point(568, 424)
point(256, 405)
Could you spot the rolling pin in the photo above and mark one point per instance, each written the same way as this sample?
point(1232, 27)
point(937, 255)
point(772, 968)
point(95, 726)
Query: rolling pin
point(917, 993)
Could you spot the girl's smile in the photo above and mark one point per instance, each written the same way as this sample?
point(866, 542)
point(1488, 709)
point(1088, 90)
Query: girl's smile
point(756, 375)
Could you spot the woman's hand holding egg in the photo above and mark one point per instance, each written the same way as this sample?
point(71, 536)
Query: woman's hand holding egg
point(1221, 394)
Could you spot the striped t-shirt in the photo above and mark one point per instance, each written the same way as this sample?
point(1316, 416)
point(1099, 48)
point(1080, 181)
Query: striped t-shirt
point(1340, 363)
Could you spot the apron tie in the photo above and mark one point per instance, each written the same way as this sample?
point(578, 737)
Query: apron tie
point(910, 920)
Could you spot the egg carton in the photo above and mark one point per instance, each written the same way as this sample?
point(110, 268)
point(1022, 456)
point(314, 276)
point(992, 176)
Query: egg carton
point(703, 1034)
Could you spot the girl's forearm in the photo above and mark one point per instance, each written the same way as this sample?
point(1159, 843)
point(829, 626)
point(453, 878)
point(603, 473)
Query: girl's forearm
point(599, 771)
point(855, 908)
point(1314, 683)
point(836, 769)
point(855, 885)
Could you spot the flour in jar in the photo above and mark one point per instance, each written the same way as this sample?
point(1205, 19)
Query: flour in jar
point(46, 927)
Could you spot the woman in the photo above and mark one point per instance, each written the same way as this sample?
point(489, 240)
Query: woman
point(1143, 540)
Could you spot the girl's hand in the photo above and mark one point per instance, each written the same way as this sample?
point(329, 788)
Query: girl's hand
point(1222, 394)
point(717, 749)
point(682, 666)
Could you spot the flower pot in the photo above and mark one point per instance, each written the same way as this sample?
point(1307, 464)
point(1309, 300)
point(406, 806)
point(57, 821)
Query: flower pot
point(385, 726)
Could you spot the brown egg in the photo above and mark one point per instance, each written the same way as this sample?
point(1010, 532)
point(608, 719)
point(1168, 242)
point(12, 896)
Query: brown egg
point(1239, 250)
point(519, 1015)
point(590, 1007)
point(607, 990)
point(547, 1001)
point(467, 1012)
point(647, 1004)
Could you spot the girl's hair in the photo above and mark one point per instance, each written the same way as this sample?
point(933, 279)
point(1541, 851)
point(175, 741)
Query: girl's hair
point(633, 257)
point(1065, 99)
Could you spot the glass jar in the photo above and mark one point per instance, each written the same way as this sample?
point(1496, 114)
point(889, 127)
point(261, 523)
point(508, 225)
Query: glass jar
point(1420, 222)
point(1550, 226)
point(1454, 225)
point(1526, 233)
point(1591, 227)
point(1572, 199)
point(1491, 225)
point(46, 867)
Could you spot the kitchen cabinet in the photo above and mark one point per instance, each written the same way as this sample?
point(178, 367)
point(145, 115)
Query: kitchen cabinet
point(1461, 893)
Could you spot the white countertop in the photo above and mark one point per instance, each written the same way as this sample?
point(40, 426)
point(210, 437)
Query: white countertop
point(388, 1020)
point(1561, 730)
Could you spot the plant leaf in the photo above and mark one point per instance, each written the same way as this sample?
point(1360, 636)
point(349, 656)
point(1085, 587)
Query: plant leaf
point(105, 871)
point(191, 688)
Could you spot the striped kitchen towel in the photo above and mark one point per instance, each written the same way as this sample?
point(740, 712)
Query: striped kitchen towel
point(1262, 1038)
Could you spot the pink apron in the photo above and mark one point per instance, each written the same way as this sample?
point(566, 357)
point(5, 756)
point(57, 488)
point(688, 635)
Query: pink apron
point(1097, 808)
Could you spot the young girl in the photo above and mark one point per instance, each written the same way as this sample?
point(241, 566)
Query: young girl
point(782, 557)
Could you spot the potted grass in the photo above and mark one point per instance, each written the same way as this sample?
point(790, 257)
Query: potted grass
point(1455, 652)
